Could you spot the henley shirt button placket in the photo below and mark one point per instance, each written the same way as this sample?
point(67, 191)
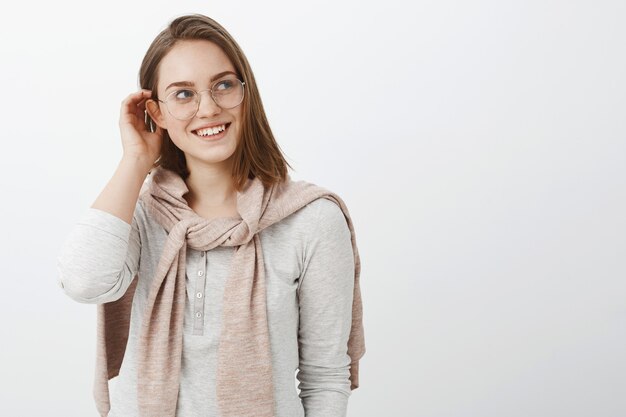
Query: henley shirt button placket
point(198, 325)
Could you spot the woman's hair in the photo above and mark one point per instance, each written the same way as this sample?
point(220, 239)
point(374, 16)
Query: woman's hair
point(257, 154)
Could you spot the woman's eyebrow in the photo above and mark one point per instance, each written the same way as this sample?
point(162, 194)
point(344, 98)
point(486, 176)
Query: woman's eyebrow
point(191, 84)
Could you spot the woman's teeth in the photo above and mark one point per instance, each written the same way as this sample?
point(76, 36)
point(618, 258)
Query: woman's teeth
point(210, 131)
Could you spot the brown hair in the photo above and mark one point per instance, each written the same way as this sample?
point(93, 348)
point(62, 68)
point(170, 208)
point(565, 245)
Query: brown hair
point(257, 153)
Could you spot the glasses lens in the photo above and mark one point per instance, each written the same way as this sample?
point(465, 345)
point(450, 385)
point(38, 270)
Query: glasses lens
point(182, 104)
point(228, 92)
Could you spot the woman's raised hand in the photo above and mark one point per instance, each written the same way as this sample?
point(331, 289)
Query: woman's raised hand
point(138, 142)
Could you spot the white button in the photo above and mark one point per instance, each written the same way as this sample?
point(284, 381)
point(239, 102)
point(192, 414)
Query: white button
point(202, 254)
point(198, 314)
point(200, 273)
point(199, 295)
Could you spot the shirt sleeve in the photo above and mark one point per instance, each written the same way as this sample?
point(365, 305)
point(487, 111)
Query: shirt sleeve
point(325, 301)
point(99, 258)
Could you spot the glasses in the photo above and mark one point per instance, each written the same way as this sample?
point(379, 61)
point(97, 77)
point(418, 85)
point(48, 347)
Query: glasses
point(183, 104)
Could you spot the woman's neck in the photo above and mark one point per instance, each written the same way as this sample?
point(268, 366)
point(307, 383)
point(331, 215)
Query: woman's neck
point(211, 187)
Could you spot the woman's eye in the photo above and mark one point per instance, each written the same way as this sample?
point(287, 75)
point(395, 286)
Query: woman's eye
point(184, 94)
point(224, 85)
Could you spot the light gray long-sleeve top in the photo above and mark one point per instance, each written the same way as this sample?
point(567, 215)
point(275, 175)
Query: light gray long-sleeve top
point(309, 269)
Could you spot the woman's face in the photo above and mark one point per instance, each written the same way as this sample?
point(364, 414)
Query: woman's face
point(198, 63)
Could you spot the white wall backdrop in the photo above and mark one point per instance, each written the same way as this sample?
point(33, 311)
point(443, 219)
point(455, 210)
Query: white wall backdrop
point(480, 147)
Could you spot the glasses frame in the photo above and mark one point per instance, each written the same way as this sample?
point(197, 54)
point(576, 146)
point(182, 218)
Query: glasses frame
point(199, 95)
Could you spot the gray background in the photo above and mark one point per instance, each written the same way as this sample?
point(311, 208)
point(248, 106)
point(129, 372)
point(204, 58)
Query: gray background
point(480, 147)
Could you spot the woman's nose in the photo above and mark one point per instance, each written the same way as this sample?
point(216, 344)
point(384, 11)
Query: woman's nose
point(207, 106)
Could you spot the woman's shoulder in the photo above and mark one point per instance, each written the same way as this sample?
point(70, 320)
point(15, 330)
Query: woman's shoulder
point(313, 219)
point(327, 206)
point(326, 211)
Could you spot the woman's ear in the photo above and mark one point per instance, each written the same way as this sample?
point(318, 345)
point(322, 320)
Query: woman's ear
point(152, 107)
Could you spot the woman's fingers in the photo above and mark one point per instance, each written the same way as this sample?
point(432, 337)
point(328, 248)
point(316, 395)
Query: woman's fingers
point(133, 107)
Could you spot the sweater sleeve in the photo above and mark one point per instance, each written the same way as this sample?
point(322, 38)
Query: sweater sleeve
point(325, 301)
point(99, 258)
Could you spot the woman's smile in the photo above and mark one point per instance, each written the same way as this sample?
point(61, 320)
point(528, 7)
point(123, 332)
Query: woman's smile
point(212, 133)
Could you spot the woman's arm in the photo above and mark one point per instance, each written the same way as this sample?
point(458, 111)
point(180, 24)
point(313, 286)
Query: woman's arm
point(100, 257)
point(325, 298)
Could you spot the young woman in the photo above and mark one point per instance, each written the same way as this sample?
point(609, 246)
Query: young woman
point(216, 276)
